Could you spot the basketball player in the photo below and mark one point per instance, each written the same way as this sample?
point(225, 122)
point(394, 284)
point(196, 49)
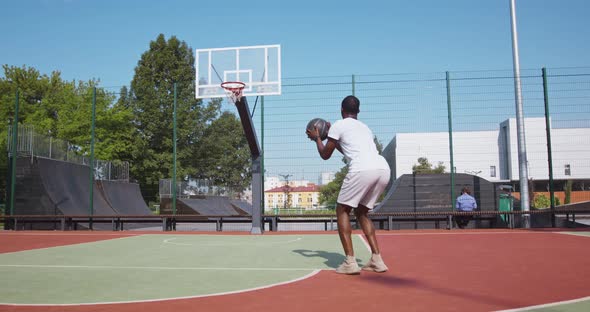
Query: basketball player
point(367, 177)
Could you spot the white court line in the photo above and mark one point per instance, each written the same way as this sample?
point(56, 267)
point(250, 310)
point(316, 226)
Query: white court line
point(42, 233)
point(365, 242)
point(69, 245)
point(574, 234)
point(463, 233)
point(314, 272)
point(109, 267)
point(547, 305)
point(169, 241)
point(205, 244)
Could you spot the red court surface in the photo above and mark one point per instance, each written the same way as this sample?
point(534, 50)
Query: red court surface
point(429, 271)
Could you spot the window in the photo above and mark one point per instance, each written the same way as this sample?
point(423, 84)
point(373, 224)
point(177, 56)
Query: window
point(493, 171)
point(568, 171)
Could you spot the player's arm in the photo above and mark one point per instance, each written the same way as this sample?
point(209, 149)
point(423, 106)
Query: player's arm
point(326, 150)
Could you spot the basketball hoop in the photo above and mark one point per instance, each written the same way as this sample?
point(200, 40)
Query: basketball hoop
point(233, 89)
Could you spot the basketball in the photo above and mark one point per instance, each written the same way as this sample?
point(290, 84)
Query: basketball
point(322, 126)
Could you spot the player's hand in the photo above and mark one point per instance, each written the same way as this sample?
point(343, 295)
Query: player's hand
point(313, 134)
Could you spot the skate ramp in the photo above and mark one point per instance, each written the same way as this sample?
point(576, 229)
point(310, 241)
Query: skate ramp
point(244, 208)
point(68, 187)
point(124, 198)
point(431, 192)
point(211, 206)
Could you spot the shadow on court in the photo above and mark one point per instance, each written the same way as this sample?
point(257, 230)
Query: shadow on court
point(333, 259)
point(392, 281)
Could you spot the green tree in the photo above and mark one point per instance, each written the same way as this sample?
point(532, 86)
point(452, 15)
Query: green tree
point(568, 191)
point(62, 109)
point(541, 201)
point(151, 98)
point(226, 159)
point(425, 167)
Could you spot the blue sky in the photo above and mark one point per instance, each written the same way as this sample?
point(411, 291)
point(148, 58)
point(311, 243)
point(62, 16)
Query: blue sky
point(104, 39)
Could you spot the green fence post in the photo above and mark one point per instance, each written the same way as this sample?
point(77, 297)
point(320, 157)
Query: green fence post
point(174, 154)
point(91, 206)
point(549, 151)
point(353, 85)
point(262, 152)
point(450, 116)
point(14, 152)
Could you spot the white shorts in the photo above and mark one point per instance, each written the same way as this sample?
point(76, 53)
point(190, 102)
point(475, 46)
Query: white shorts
point(363, 187)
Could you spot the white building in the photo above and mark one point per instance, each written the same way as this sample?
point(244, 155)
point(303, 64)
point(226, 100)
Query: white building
point(493, 155)
point(326, 177)
point(272, 182)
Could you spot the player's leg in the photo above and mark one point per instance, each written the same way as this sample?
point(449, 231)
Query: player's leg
point(378, 180)
point(344, 228)
point(367, 227)
point(349, 266)
point(376, 263)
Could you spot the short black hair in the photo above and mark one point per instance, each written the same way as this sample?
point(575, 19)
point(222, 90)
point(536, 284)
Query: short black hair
point(351, 104)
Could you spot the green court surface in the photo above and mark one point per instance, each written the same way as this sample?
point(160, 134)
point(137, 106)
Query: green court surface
point(587, 234)
point(153, 267)
point(581, 305)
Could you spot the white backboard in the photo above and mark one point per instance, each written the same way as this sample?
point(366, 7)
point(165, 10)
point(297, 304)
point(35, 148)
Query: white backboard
point(259, 67)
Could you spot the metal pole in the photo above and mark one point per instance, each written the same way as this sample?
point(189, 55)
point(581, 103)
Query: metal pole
point(353, 85)
point(14, 153)
point(549, 151)
point(91, 208)
point(450, 122)
point(262, 174)
point(174, 155)
point(522, 158)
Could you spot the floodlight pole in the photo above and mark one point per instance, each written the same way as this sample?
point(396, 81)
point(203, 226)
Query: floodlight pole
point(522, 158)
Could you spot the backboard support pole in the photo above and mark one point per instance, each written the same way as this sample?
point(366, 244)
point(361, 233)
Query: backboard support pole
point(250, 132)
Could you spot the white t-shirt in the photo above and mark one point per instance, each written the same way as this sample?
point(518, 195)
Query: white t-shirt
point(356, 141)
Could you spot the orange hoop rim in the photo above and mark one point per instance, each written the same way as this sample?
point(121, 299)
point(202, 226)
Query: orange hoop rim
point(235, 87)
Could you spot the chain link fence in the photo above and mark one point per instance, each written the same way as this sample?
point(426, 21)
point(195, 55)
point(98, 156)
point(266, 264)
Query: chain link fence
point(32, 144)
point(417, 115)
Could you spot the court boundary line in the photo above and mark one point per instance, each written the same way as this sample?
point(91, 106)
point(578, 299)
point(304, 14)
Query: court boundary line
point(362, 238)
point(468, 233)
point(546, 305)
point(313, 273)
point(168, 241)
point(574, 234)
point(70, 244)
point(111, 267)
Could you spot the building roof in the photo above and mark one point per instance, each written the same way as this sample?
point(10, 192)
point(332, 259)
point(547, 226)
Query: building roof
point(294, 189)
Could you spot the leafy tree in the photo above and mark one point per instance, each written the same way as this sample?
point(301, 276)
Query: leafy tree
point(541, 201)
point(151, 98)
point(568, 191)
point(62, 110)
point(226, 160)
point(425, 167)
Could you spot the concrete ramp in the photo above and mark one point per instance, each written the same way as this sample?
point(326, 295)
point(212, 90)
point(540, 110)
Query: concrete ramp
point(124, 198)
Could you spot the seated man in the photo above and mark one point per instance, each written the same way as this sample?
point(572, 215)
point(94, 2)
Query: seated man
point(465, 202)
